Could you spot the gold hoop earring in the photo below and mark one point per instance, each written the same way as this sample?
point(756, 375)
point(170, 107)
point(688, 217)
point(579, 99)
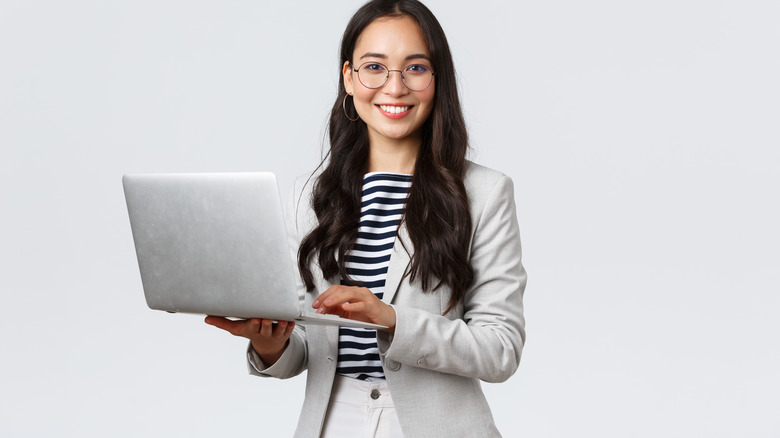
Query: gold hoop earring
point(344, 105)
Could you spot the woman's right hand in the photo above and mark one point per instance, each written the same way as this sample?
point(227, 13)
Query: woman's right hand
point(268, 339)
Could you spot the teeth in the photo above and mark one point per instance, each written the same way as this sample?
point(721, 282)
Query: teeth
point(393, 109)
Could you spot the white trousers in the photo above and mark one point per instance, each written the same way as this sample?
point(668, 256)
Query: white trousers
point(360, 409)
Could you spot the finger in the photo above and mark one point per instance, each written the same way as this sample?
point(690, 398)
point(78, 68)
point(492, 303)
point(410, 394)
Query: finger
point(289, 329)
point(333, 306)
point(234, 327)
point(253, 327)
point(323, 296)
point(266, 327)
point(279, 329)
point(335, 299)
point(355, 307)
point(335, 310)
point(330, 293)
point(213, 320)
point(342, 301)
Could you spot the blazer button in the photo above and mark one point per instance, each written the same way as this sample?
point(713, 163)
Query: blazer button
point(420, 361)
point(393, 365)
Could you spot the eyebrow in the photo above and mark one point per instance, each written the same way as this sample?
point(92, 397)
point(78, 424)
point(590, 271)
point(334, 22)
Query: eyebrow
point(408, 58)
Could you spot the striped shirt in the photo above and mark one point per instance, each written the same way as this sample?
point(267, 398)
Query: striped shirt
point(383, 200)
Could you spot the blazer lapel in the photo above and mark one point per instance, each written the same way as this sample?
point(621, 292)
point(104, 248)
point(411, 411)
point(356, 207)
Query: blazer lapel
point(399, 261)
point(331, 332)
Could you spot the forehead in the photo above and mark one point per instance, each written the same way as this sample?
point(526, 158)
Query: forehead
point(392, 37)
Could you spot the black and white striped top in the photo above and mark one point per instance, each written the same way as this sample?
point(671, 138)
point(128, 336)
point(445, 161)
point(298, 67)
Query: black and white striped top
point(384, 196)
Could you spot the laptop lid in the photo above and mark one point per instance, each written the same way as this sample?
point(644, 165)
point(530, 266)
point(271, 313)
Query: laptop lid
point(212, 243)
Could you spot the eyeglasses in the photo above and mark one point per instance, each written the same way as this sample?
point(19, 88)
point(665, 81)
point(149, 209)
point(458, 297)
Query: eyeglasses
point(416, 77)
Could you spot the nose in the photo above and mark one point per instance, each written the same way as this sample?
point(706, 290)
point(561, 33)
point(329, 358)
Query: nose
point(395, 84)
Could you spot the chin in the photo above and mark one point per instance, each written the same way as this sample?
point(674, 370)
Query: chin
point(397, 135)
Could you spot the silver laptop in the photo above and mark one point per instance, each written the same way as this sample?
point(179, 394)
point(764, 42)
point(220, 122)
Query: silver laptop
point(216, 244)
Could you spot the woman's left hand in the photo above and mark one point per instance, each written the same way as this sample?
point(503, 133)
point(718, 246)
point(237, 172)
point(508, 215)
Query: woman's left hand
point(356, 303)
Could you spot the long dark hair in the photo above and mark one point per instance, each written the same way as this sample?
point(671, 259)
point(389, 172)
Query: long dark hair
point(437, 210)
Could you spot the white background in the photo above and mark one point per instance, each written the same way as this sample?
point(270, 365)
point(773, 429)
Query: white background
point(642, 137)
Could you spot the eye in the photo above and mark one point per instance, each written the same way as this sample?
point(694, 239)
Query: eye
point(373, 67)
point(417, 69)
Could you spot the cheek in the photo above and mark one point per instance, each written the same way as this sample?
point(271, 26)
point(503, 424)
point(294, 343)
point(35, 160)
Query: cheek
point(426, 101)
point(362, 94)
point(427, 96)
point(362, 97)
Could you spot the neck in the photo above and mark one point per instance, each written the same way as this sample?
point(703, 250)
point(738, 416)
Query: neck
point(394, 157)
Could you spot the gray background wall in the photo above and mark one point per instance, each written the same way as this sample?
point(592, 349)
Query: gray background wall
point(642, 138)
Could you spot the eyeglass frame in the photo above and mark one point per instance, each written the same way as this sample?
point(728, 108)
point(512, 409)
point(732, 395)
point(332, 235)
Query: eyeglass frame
point(387, 78)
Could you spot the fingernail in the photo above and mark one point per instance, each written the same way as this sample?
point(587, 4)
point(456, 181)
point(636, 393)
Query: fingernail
point(316, 303)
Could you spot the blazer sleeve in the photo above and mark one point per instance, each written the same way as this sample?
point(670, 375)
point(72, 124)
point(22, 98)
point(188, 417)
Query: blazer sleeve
point(486, 342)
point(295, 358)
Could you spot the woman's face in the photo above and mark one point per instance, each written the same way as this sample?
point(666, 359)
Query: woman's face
point(392, 112)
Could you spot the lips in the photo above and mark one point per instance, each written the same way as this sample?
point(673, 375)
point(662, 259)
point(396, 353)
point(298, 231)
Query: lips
point(395, 111)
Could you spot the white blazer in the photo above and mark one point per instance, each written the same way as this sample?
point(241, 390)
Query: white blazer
point(433, 363)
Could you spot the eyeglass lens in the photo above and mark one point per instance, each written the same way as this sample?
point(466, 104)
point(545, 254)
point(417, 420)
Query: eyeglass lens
point(416, 77)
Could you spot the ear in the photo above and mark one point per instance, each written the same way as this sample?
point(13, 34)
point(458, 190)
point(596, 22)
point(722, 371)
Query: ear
point(346, 73)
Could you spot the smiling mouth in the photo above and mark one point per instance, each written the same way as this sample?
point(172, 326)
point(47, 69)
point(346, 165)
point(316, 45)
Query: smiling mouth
point(395, 109)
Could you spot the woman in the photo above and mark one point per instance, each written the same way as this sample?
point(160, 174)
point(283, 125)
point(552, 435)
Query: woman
point(399, 229)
